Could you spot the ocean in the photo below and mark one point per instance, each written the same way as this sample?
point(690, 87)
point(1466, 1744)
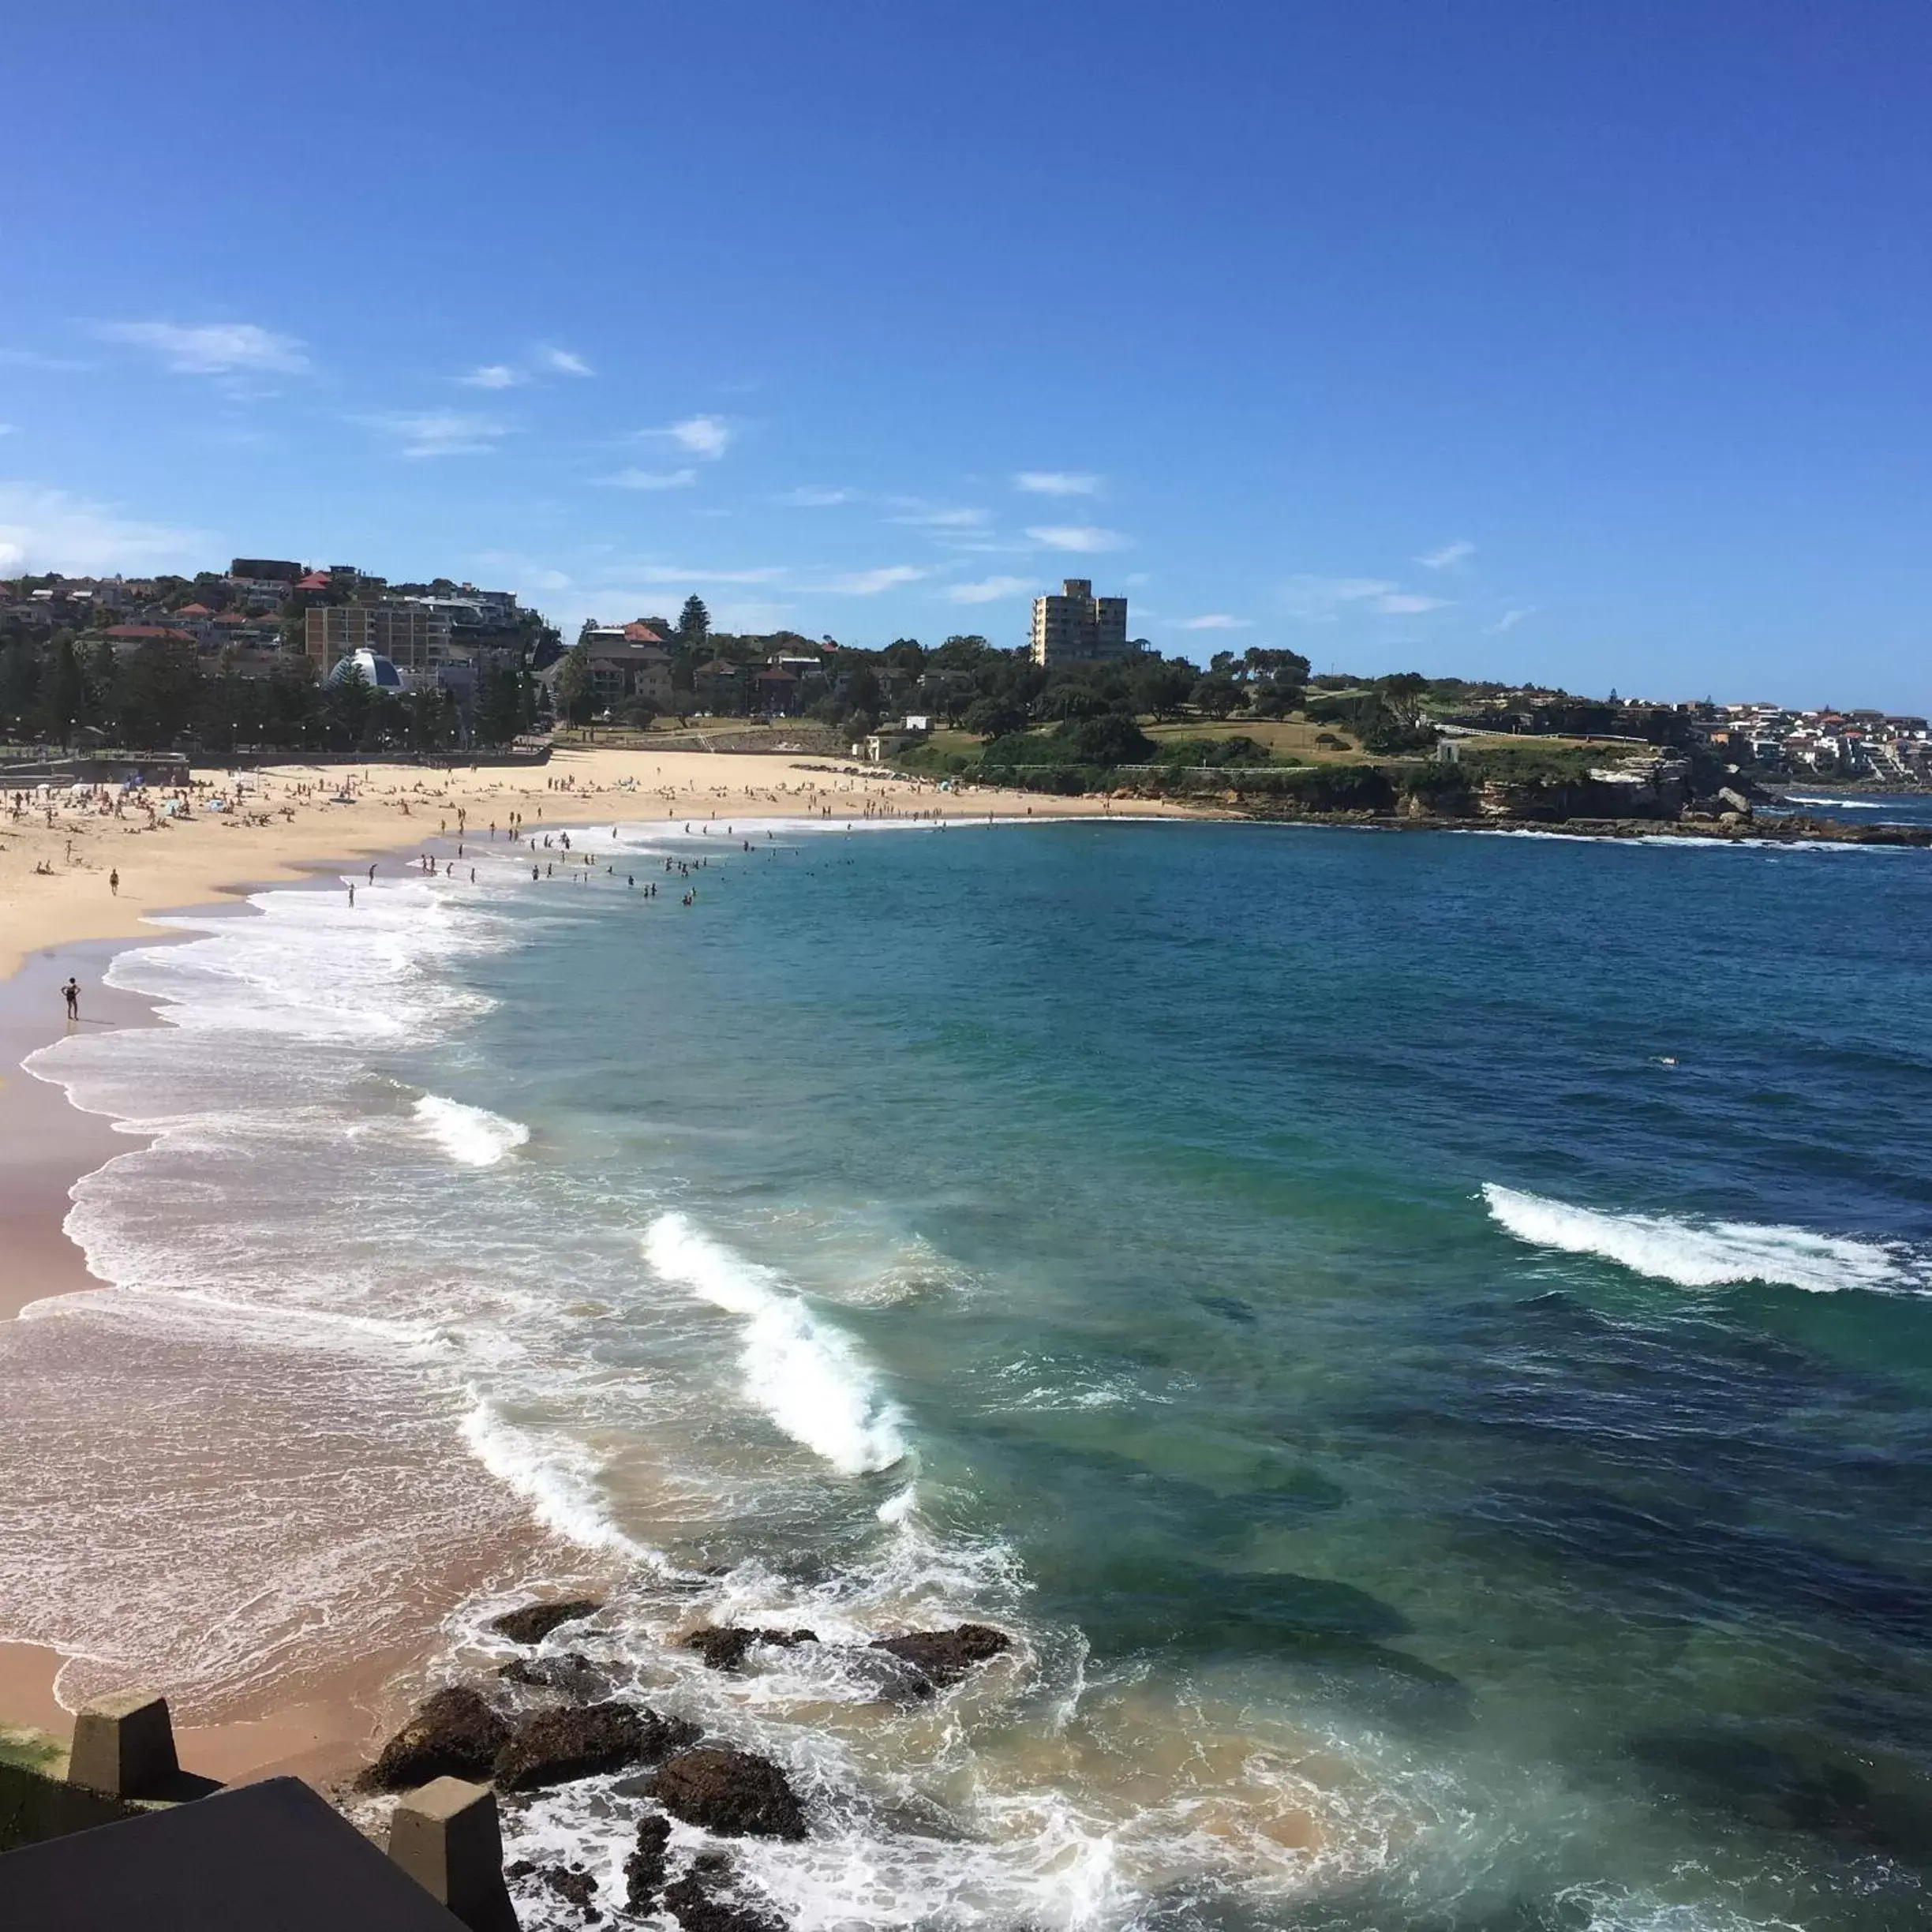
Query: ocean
point(1425, 1341)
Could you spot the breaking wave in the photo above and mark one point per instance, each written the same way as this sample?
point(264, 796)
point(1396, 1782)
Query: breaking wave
point(806, 1374)
point(1707, 1254)
point(472, 1136)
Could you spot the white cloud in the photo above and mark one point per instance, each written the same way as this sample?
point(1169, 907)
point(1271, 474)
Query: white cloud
point(943, 519)
point(1056, 483)
point(1510, 618)
point(709, 437)
point(562, 362)
point(987, 590)
point(10, 429)
point(1217, 621)
point(651, 479)
point(48, 530)
point(1323, 600)
point(869, 583)
point(493, 375)
point(807, 498)
point(1081, 536)
point(441, 432)
point(210, 348)
point(1448, 555)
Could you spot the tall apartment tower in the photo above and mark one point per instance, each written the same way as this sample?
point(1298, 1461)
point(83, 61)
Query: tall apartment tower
point(1077, 625)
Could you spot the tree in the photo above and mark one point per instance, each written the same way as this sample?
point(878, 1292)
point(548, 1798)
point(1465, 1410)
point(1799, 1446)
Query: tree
point(1111, 738)
point(1073, 702)
point(1217, 694)
point(693, 623)
point(994, 717)
point(862, 690)
point(573, 693)
point(1402, 694)
point(65, 689)
point(348, 701)
point(1160, 688)
point(499, 708)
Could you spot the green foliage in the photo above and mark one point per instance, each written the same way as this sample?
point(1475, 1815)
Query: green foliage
point(995, 717)
point(1529, 763)
point(1440, 786)
point(693, 623)
point(1111, 738)
point(1239, 750)
point(1217, 694)
point(1340, 788)
point(575, 695)
point(65, 702)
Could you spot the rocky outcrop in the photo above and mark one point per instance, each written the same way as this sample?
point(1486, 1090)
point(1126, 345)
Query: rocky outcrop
point(725, 1647)
point(453, 1734)
point(734, 1793)
point(708, 1898)
point(554, 1747)
point(535, 1622)
point(645, 1869)
point(943, 1656)
point(573, 1674)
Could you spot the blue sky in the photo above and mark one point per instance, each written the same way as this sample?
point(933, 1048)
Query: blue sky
point(1590, 343)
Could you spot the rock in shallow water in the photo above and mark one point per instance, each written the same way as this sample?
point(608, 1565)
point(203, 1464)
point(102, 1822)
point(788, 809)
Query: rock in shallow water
point(453, 1734)
point(535, 1622)
point(947, 1656)
point(707, 1899)
point(644, 1869)
point(732, 1792)
point(724, 1646)
point(554, 1747)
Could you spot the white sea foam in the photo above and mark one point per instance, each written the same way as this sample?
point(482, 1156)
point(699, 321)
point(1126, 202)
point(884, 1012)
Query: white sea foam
point(472, 1136)
point(1707, 1254)
point(557, 1478)
point(1838, 804)
point(804, 1373)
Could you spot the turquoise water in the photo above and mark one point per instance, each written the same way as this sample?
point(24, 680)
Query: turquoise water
point(1426, 1340)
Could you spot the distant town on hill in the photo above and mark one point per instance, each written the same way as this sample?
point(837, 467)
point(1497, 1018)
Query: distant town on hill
point(273, 655)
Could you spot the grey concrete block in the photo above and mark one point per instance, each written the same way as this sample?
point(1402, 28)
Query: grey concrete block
point(445, 1835)
point(124, 1746)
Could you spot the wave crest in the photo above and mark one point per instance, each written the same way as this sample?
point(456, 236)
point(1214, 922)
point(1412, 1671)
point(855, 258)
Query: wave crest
point(1714, 1254)
point(472, 1136)
point(806, 1374)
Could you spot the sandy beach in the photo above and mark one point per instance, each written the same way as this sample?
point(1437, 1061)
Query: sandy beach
point(287, 821)
point(59, 915)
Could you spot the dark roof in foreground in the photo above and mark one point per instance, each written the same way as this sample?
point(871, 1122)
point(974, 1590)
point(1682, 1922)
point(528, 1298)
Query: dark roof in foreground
point(271, 1857)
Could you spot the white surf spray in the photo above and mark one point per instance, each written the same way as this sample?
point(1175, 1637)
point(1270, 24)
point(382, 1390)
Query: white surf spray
point(1706, 1254)
point(801, 1372)
point(557, 1478)
point(471, 1136)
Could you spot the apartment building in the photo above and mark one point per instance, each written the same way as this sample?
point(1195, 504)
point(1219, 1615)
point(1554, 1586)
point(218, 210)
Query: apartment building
point(415, 639)
point(1076, 625)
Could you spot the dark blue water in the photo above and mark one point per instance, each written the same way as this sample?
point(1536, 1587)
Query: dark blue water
point(1905, 808)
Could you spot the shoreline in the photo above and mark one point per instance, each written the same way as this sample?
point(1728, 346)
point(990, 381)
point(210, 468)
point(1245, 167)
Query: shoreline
point(47, 1144)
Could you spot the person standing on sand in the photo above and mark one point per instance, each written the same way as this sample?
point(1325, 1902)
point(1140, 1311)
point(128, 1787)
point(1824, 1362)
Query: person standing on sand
point(71, 991)
point(114, 881)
